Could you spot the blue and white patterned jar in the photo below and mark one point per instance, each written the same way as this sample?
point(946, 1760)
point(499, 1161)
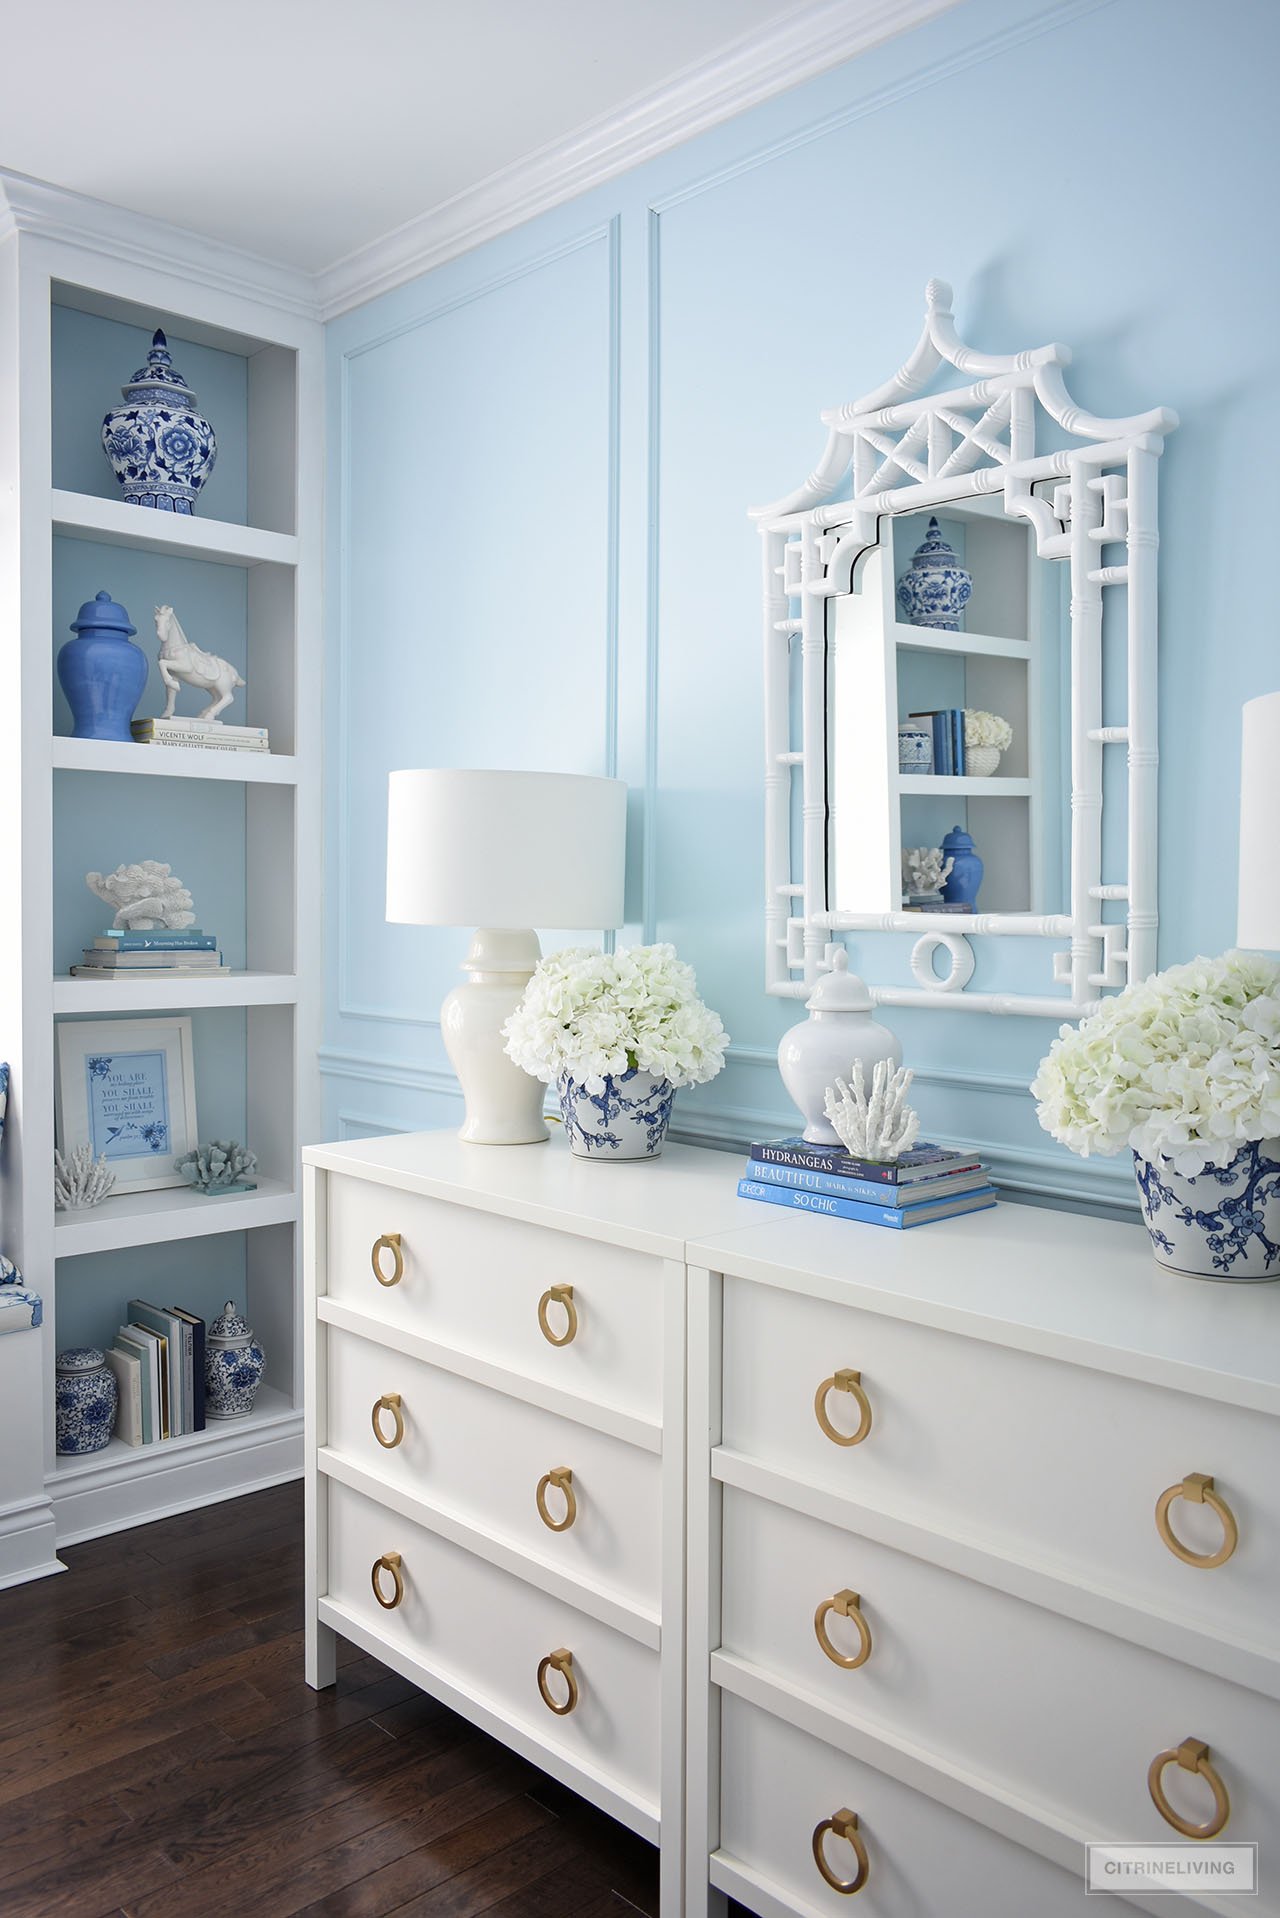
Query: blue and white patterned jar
point(1221, 1223)
point(937, 589)
point(84, 1401)
point(161, 447)
point(233, 1367)
point(915, 748)
point(627, 1120)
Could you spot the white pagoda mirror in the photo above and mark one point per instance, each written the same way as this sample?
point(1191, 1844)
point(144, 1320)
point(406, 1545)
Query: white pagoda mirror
point(1029, 594)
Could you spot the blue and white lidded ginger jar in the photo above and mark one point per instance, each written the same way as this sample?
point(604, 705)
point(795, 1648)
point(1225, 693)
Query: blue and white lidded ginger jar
point(161, 447)
point(233, 1368)
point(915, 748)
point(84, 1400)
point(937, 589)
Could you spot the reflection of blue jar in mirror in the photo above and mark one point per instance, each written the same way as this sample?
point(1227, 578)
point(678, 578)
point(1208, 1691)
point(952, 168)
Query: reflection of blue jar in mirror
point(915, 748)
point(101, 671)
point(961, 889)
point(937, 589)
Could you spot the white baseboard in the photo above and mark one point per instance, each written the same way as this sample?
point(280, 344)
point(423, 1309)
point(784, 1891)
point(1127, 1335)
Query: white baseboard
point(27, 1542)
point(227, 1467)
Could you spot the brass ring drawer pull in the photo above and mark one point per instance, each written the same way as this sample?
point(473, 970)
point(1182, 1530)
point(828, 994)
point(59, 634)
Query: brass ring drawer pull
point(843, 1381)
point(389, 1562)
point(562, 1662)
point(843, 1824)
point(562, 1478)
point(389, 1242)
point(1197, 1489)
point(389, 1402)
point(847, 1605)
point(558, 1295)
point(1192, 1755)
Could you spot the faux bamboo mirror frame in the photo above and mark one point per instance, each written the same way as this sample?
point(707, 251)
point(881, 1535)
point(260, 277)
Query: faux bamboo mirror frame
point(834, 819)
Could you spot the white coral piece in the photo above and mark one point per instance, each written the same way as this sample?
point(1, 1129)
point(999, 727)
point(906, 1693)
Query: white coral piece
point(80, 1179)
point(144, 896)
point(925, 868)
point(880, 1127)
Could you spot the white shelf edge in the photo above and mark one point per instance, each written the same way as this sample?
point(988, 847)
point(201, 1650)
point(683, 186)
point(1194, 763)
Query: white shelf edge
point(172, 762)
point(86, 516)
point(175, 1213)
point(928, 639)
point(272, 1408)
point(152, 992)
point(963, 785)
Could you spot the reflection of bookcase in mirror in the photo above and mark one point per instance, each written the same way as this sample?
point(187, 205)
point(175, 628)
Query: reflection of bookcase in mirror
point(239, 828)
point(883, 670)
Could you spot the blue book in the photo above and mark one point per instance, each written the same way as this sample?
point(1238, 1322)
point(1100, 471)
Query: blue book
point(898, 1218)
point(957, 740)
point(839, 1185)
point(190, 939)
point(943, 754)
point(923, 1161)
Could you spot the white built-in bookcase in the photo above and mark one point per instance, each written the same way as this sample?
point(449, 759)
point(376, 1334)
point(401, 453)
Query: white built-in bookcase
point(242, 830)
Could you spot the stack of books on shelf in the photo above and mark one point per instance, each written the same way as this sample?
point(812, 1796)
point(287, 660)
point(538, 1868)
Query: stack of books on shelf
point(203, 735)
point(930, 1182)
point(158, 1360)
point(191, 954)
point(947, 729)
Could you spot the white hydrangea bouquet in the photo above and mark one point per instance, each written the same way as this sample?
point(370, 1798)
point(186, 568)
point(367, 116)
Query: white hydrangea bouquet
point(1184, 1069)
point(617, 1033)
point(986, 736)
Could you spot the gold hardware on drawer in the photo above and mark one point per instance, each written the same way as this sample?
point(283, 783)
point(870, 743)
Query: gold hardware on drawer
point(558, 1295)
point(842, 1824)
point(389, 1402)
point(562, 1662)
point(1193, 1756)
point(1197, 1489)
point(843, 1381)
point(562, 1478)
point(847, 1605)
point(389, 1562)
point(389, 1242)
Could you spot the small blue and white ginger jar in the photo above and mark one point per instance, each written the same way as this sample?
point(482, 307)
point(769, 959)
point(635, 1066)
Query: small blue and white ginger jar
point(937, 589)
point(233, 1367)
point(627, 1120)
point(85, 1400)
point(1221, 1223)
point(161, 446)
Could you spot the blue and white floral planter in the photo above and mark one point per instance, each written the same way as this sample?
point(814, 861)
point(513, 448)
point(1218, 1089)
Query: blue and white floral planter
point(1224, 1223)
point(84, 1401)
point(628, 1120)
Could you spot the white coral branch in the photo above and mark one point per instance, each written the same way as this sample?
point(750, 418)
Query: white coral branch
point(880, 1127)
point(80, 1179)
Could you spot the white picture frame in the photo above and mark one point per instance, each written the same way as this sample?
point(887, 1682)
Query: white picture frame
point(126, 1087)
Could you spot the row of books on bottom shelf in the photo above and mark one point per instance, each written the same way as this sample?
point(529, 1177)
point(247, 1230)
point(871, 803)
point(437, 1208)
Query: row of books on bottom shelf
point(114, 954)
point(929, 1182)
point(158, 1359)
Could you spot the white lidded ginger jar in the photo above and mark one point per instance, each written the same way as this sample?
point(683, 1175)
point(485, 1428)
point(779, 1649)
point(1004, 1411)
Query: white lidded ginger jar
point(822, 1048)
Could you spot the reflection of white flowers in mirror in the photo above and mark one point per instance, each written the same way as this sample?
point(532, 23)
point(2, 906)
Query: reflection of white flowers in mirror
point(986, 729)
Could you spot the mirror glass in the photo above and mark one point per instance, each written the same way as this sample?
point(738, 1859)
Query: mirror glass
point(897, 690)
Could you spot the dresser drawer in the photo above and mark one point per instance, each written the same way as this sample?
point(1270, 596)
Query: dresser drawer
point(1054, 1711)
point(478, 1281)
point(923, 1860)
point(1022, 1454)
point(490, 1631)
point(485, 1457)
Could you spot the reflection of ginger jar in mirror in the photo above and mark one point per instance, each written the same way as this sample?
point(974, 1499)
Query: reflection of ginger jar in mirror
point(84, 1396)
point(915, 748)
point(961, 888)
point(234, 1364)
point(823, 1047)
point(936, 590)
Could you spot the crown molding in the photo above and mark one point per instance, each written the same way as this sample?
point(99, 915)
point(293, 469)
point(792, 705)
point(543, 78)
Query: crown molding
point(35, 206)
point(739, 76)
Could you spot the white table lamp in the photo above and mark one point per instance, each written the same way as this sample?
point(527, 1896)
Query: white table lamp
point(1258, 911)
point(504, 852)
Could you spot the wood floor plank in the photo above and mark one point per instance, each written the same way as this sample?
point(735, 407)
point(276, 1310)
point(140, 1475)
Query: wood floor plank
point(517, 1869)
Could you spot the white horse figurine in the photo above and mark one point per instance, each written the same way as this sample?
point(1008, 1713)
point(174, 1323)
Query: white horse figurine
point(180, 660)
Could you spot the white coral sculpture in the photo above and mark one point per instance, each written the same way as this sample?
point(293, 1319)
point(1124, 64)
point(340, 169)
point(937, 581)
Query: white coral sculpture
point(925, 869)
point(144, 896)
point(80, 1179)
point(879, 1127)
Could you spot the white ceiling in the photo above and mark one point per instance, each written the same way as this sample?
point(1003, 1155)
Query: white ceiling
point(304, 130)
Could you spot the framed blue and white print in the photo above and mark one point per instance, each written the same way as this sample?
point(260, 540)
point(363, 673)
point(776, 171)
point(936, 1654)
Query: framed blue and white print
point(126, 1087)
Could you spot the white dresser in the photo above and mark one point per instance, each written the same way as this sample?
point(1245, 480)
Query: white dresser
point(803, 1548)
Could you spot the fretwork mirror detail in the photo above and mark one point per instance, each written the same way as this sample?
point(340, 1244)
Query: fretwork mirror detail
point(1058, 638)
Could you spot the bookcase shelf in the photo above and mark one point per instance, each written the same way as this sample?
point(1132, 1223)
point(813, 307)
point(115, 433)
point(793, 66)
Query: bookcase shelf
point(925, 639)
point(154, 1218)
point(173, 762)
point(938, 785)
point(271, 1409)
point(112, 523)
point(152, 992)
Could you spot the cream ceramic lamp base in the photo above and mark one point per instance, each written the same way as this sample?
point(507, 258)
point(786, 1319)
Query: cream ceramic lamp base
point(504, 1105)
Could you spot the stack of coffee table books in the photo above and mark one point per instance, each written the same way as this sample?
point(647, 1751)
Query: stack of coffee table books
point(203, 735)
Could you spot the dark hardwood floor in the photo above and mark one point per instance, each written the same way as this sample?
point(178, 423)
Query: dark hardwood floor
point(162, 1757)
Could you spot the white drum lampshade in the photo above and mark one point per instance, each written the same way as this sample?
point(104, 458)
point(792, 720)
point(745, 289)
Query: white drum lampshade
point(504, 852)
point(1258, 911)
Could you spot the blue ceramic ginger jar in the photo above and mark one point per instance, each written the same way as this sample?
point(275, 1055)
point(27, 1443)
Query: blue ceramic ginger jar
point(161, 447)
point(961, 888)
point(101, 671)
point(937, 589)
point(234, 1364)
point(84, 1401)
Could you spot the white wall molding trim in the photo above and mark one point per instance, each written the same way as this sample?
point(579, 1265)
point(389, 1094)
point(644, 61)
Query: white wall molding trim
point(336, 1062)
point(955, 1078)
point(739, 76)
point(34, 206)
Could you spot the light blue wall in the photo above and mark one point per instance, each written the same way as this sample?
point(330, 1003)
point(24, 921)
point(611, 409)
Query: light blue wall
point(542, 456)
